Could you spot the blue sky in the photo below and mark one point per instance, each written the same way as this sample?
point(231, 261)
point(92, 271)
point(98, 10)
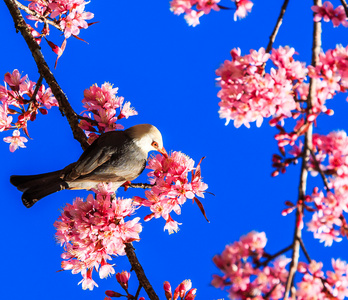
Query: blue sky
point(167, 70)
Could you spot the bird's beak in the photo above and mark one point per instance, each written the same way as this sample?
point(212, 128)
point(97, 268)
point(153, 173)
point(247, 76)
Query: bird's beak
point(163, 152)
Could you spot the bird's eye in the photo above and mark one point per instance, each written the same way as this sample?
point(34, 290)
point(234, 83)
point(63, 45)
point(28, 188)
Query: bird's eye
point(154, 144)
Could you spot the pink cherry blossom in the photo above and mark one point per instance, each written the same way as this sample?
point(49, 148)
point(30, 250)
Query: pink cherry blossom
point(5, 119)
point(75, 20)
point(244, 273)
point(46, 98)
point(16, 101)
point(92, 231)
point(14, 80)
point(127, 111)
point(15, 141)
point(193, 9)
point(123, 278)
point(315, 285)
point(243, 7)
point(192, 17)
point(102, 103)
point(327, 13)
point(179, 7)
point(168, 290)
point(248, 94)
point(207, 5)
point(172, 186)
point(183, 291)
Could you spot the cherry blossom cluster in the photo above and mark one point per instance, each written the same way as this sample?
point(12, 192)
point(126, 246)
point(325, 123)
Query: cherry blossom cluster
point(247, 274)
point(327, 13)
point(93, 230)
point(315, 285)
point(21, 97)
point(194, 9)
point(102, 104)
point(172, 187)
point(331, 72)
point(122, 278)
point(331, 155)
point(68, 15)
point(250, 94)
point(184, 291)
point(330, 77)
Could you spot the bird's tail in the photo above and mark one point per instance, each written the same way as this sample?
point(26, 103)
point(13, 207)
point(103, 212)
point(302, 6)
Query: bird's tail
point(35, 187)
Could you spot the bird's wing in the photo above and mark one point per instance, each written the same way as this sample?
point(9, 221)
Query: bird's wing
point(97, 154)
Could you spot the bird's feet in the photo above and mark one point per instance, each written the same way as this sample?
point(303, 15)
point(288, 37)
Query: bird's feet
point(126, 185)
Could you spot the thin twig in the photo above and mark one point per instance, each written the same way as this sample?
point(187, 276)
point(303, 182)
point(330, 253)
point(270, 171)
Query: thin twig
point(37, 15)
point(45, 71)
point(305, 251)
point(140, 272)
point(277, 26)
point(345, 5)
point(316, 47)
point(271, 257)
point(271, 291)
point(138, 292)
point(141, 185)
point(93, 122)
point(317, 165)
point(38, 85)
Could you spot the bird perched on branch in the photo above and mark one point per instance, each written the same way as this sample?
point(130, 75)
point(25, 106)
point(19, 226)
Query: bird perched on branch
point(116, 157)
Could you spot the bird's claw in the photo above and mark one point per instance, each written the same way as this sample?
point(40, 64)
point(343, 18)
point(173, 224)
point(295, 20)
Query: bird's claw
point(126, 185)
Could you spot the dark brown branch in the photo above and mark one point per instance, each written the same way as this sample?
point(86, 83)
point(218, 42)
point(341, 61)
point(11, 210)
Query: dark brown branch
point(305, 251)
point(38, 85)
point(141, 185)
point(44, 70)
point(138, 292)
point(140, 272)
point(37, 15)
point(345, 5)
point(316, 47)
point(277, 26)
point(93, 122)
point(271, 257)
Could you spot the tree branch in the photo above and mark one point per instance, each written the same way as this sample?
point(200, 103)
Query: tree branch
point(37, 15)
point(305, 251)
point(271, 257)
point(345, 5)
point(317, 165)
point(140, 272)
point(316, 47)
point(38, 85)
point(277, 26)
point(44, 70)
point(141, 185)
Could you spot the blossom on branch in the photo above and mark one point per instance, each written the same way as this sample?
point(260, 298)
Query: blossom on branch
point(243, 8)
point(15, 141)
point(68, 15)
point(93, 230)
point(194, 9)
point(331, 157)
point(247, 274)
point(328, 13)
point(183, 291)
point(102, 103)
point(249, 94)
point(315, 285)
point(171, 187)
point(22, 98)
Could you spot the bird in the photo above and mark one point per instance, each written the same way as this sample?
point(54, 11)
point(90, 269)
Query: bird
point(115, 157)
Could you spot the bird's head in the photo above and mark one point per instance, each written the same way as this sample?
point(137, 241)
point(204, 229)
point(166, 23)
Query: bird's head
point(147, 137)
